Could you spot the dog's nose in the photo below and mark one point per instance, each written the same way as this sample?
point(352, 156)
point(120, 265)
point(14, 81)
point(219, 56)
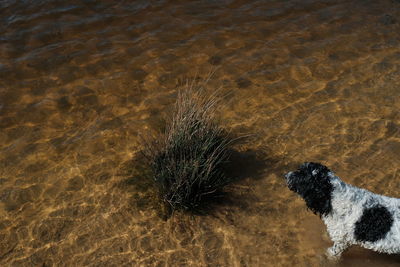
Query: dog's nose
point(288, 175)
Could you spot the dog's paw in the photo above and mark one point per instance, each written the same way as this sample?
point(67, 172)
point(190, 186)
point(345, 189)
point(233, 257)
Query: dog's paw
point(332, 256)
point(324, 261)
point(326, 237)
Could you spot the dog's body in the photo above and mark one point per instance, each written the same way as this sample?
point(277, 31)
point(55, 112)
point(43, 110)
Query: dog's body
point(353, 216)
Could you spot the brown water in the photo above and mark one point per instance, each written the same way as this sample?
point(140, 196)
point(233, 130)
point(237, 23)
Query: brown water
point(80, 80)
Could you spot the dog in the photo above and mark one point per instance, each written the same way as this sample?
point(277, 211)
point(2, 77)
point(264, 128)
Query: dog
point(352, 215)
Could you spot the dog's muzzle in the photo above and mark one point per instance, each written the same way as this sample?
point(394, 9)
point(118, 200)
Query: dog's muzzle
point(287, 177)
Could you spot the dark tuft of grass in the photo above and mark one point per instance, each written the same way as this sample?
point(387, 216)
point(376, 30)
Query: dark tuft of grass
point(188, 159)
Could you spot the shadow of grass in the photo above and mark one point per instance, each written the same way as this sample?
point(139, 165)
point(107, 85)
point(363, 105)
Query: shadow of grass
point(241, 165)
point(247, 169)
point(248, 164)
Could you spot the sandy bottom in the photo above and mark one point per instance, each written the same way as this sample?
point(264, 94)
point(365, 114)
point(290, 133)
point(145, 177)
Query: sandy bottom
point(81, 81)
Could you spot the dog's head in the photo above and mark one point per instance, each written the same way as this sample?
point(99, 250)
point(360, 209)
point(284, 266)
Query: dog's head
point(312, 182)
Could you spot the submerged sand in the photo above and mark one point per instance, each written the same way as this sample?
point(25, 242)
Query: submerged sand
point(81, 81)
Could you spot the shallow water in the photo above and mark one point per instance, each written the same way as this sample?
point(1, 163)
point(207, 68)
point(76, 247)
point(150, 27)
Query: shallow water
point(81, 81)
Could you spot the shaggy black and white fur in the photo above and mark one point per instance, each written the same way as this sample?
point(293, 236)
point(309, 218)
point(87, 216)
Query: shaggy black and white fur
point(353, 216)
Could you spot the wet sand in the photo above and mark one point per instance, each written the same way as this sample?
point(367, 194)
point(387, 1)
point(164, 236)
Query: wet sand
point(81, 81)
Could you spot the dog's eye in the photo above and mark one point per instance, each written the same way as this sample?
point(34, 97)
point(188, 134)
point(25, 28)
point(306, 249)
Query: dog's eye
point(314, 172)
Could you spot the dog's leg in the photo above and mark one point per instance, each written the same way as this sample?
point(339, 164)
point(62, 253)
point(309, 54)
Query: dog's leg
point(336, 250)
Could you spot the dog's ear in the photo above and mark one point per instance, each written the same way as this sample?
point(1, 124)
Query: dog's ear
point(319, 194)
point(316, 169)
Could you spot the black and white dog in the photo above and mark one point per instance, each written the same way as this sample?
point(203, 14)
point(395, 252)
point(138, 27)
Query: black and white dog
point(353, 216)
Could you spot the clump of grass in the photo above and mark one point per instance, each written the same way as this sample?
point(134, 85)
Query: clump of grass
point(187, 161)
